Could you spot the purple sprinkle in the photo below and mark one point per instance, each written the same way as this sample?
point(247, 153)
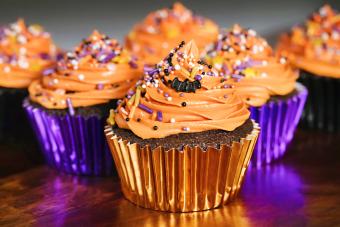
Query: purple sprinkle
point(219, 46)
point(145, 108)
point(45, 56)
point(109, 57)
point(133, 64)
point(60, 56)
point(236, 76)
point(70, 107)
point(198, 77)
point(100, 86)
point(159, 116)
point(226, 86)
point(47, 72)
point(166, 95)
point(131, 92)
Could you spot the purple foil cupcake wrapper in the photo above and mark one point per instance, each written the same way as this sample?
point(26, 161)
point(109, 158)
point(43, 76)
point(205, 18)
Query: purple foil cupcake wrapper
point(322, 110)
point(278, 121)
point(71, 144)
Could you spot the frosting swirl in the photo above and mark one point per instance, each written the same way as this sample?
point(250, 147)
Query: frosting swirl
point(181, 94)
point(315, 47)
point(98, 70)
point(247, 62)
point(24, 53)
point(152, 39)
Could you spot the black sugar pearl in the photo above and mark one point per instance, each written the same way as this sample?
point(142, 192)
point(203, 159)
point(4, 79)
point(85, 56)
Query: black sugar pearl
point(184, 104)
point(127, 119)
point(171, 54)
point(166, 71)
point(210, 66)
point(155, 127)
point(138, 119)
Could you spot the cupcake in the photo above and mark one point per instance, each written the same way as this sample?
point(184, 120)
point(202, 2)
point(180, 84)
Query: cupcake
point(68, 104)
point(152, 39)
point(266, 83)
point(24, 52)
point(314, 48)
point(181, 140)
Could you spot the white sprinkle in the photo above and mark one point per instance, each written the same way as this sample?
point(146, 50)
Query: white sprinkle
point(22, 50)
point(23, 64)
point(283, 60)
point(261, 48)
point(55, 81)
point(177, 67)
point(252, 32)
point(81, 77)
point(143, 86)
point(324, 36)
point(151, 29)
point(264, 63)
point(172, 120)
point(111, 67)
point(169, 99)
point(186, 129)
point(7, 69)
point(22, 39)
point(63, 102)
point(264, 74)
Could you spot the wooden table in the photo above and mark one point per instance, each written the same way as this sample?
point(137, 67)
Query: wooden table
point(303, 189)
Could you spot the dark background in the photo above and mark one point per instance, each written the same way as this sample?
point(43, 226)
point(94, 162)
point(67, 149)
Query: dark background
point(70, 21)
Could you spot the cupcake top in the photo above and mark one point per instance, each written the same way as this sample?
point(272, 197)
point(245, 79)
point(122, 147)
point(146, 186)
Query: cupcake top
point(248, 64)
point(24, 52)
point(315, 46)
point(153, 38)
point(98, 70)
point(182, 94)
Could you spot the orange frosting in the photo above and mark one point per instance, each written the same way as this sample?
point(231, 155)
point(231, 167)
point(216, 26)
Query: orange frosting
point(315, 47)
point(152, 39)
point(98, 70)
point(24, 53)
point(248, 64)
point(180, 95)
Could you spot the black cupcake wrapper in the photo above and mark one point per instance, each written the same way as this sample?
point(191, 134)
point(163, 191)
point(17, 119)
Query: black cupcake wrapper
point(322, 109)
point(14, 126)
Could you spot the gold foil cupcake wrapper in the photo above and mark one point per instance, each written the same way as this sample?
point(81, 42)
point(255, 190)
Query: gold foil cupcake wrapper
point(181, 181)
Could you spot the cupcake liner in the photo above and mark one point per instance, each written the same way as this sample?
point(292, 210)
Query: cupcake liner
point(278, 120)
point(71, 144)
point(181, 181)
point(322, 111)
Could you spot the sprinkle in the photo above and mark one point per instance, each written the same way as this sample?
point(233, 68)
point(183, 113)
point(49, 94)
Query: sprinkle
point(172, 120)
point(169, 99)
point(55, 81)
point(111, 67)
point(100, 86)
point(70, 107)
point(7, 69)
point(81, 77)
point(186, 129)
point(145, 108)
point(111, 119)
point(47, 72)
point(198, 77)
point(159, 116)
